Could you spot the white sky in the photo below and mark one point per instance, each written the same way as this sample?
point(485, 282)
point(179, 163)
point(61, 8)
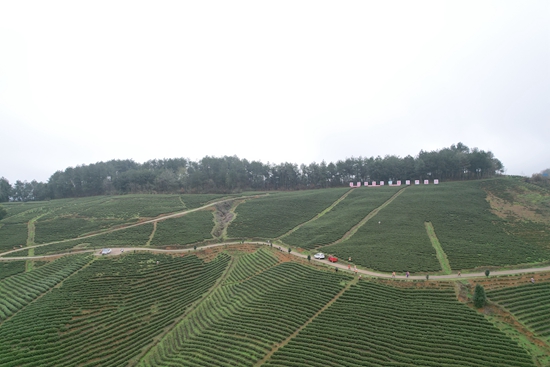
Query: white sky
point(296, 81)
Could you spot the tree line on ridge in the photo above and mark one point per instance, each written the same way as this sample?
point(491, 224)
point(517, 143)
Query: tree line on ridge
point(231, 174)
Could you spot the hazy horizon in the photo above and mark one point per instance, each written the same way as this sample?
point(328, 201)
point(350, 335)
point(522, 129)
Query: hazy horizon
point(290, 81)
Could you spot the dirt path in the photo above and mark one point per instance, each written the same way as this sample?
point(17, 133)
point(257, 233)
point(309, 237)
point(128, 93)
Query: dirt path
point(168, 216)
point(148, 243)
point(340, 266)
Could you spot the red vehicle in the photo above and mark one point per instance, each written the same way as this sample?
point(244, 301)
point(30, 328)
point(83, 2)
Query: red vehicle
point(332, 259)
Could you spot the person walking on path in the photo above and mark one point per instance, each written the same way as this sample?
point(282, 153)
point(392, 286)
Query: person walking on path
point(458, 273)
point(408, 274)
point(393, 274)
point(349, 266)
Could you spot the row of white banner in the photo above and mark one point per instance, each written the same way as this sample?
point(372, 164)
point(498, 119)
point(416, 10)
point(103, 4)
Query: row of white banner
point(390, 183)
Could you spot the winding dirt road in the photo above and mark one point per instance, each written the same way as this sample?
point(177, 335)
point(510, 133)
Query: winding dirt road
point(341, 266)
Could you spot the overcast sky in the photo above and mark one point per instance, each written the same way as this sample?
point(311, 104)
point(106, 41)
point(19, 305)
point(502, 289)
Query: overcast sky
point(297, 81)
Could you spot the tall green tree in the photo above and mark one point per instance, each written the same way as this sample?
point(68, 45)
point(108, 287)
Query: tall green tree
point(230, 174)
point(5, 190)
point(3, 212)
point(480, 299)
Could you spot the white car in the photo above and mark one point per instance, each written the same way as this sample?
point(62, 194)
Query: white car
point(106, 251)
point(319, 255)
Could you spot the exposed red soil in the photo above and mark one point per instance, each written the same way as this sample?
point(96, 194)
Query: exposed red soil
point(210, 253)
point(514, 211)
point(416, 284)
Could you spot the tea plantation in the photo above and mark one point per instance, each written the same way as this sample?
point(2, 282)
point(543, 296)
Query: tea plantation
point(204, 284)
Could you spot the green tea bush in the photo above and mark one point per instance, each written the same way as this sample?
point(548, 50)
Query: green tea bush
point(190, 228)
point(107, 312)
point(530, 303)
point(335, 223)
point(276, 214)
point(377, 325)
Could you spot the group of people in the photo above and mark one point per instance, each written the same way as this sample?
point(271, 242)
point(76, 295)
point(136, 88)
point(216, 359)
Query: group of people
point(407, 274)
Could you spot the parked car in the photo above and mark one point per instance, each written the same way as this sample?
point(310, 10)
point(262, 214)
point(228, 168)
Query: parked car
point(319, 255)
point(332, 259)
point(106, 251)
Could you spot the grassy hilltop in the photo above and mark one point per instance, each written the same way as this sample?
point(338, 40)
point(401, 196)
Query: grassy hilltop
point(245, 304)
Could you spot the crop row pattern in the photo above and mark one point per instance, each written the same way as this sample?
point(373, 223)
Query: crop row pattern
point(377, 325)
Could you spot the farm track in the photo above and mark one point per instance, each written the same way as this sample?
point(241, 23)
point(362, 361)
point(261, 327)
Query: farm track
point(123, 227)
point(285, 249)
point(152, 234)
point(340, 266)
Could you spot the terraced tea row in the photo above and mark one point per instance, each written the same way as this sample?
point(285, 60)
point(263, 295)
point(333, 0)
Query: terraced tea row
point(377, 325)
point(18, 290)
point(276, 214)
point(469, 233)
point(250, 265)
point(72, 218)
point(334, 224)
point(125, 303)
point(241, 322)
point(9, 268)
point(529, 303)
point(191, 228)
point(394, 240)
point(63, 228)
point(13, 235)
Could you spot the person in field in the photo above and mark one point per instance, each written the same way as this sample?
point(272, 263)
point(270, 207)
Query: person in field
point(393, 274)
point(408, 274)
